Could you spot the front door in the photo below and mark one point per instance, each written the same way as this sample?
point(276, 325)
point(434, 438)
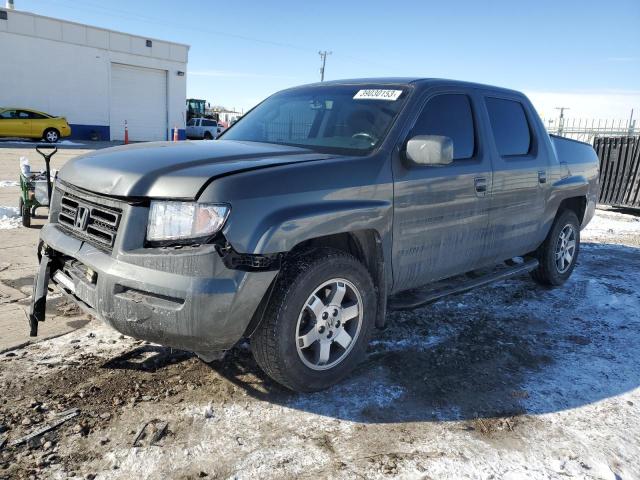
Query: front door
point(441, 212)
point(15, 123)
point(39, 124)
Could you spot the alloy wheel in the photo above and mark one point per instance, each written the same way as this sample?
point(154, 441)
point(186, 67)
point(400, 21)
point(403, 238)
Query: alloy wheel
point(565, 248)
point(329, 324)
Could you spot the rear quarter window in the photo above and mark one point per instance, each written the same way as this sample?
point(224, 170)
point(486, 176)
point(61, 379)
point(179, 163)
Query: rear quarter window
point(509, 125)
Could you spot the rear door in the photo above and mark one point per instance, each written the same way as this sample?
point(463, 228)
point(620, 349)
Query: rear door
point(441, 212)
point(520, 177)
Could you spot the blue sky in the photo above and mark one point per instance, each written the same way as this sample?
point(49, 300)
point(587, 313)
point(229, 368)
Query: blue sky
point(582, 53)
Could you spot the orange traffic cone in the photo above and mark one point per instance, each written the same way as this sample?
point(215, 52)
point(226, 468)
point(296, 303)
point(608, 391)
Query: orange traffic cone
point(126, 133)
point(175, 133)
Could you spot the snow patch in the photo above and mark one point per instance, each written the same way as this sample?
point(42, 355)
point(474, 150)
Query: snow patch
point(27, 142)
point(608, 223)
point(9, 218)
point(355, 396)
point(414, 343)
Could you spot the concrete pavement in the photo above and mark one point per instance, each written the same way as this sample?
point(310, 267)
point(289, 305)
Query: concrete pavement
point(18, 260)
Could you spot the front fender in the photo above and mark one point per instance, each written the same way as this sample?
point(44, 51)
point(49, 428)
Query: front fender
point(275, 209)
point(284, 228)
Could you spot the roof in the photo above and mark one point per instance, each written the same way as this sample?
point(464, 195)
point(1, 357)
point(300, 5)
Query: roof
point(409, 81)
point(27, 110)
point(23, 12)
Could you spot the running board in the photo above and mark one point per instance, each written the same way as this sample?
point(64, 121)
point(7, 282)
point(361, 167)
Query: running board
point(418, 298)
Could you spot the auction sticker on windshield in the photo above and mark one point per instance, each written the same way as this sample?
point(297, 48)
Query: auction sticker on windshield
point(376, 94)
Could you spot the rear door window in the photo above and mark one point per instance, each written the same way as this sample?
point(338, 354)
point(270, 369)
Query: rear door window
point(449, 115)
point(509, 125)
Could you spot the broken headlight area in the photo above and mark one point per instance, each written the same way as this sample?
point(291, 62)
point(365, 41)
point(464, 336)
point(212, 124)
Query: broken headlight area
point(248, 262)
point(172, 222)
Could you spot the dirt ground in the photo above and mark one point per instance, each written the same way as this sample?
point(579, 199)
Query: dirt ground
point(511, 381)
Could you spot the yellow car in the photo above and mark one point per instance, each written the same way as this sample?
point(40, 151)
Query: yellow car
point(22, 122)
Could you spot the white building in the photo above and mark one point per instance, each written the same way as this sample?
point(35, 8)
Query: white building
point(96, 78)
point(224, 115)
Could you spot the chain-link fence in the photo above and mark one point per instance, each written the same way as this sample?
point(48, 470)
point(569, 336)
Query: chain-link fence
point(586, 129)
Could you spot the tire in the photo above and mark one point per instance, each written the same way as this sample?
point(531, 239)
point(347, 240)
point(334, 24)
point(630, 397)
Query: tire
point(289, 321)
point(208, 136)
point(24, 212)
point(51, 135)
point(555, 268)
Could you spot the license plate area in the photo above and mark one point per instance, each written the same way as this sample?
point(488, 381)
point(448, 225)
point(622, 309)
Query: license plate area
point(77, 279)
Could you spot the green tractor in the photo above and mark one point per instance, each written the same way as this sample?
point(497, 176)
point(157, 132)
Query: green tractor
point(195, 108)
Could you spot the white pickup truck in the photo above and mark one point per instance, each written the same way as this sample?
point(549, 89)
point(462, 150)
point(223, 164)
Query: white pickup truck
point(203, 128)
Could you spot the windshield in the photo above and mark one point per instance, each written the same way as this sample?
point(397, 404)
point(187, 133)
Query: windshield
point(332, 119)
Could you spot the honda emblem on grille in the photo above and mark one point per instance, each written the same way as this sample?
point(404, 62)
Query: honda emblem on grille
point(82, 218)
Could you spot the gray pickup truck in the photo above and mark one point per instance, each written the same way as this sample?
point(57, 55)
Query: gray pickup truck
point(297, 226)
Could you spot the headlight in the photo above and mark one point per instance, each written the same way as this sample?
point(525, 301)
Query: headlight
point(184, 220)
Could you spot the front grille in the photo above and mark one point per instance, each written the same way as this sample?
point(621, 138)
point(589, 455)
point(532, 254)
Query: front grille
point(96, 224)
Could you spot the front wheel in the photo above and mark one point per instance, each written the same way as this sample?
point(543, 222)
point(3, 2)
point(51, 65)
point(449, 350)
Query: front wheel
point(559, 252)
point(24, 213)
point(317, 325)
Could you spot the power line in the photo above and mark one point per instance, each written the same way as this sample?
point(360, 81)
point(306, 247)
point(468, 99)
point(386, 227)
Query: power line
point(130, 15)
point(89, 5)
point(323, 56)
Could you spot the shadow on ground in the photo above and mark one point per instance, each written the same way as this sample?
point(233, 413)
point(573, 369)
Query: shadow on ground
point(509, 349)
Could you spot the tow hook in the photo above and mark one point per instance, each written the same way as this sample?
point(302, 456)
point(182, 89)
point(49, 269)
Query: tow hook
point(40, 285)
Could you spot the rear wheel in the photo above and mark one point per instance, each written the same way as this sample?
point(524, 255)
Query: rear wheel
point(51, 135)
point(25, 213)
point(318, 323)
point(559, 252)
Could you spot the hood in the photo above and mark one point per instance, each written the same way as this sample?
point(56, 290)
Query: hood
point(172, 169)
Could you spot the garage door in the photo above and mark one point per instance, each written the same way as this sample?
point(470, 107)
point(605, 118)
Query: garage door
point(139, 96)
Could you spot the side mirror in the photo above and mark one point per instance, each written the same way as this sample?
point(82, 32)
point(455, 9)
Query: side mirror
point(430, 150)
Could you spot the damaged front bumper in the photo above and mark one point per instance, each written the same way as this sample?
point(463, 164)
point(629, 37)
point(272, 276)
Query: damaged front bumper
point(185, 298)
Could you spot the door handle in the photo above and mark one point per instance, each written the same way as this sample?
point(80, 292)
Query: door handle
point(542, 176)
point(480, 184)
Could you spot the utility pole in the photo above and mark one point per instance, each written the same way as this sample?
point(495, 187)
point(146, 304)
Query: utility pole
point(561, 122)
point(323, 56)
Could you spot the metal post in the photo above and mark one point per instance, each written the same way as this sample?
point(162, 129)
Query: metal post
point(561, 122)
point(323, 56)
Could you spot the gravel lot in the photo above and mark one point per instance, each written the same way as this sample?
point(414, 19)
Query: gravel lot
point(510, 381)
